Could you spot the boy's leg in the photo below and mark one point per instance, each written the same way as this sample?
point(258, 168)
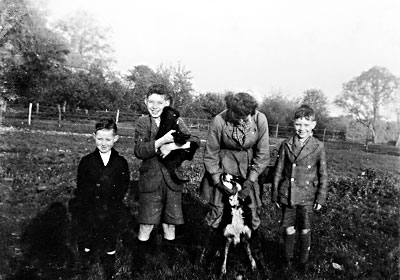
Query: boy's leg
point(172, 214)
point(290, 235)
point(150, 208)
point(144, 232)
point(305, 244)
point(305, 234)
point(288, 222)
point(169, 231)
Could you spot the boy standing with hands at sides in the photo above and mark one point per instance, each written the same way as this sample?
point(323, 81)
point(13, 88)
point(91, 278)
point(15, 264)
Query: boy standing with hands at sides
point(97, 208)
point(300, 183)
point(160, 197)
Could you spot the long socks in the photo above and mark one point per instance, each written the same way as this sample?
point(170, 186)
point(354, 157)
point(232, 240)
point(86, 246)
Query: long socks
point(289, 246)
point(305, 242)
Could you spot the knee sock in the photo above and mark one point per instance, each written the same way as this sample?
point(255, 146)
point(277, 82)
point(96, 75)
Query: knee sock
point(305, 243)
point(289, 246)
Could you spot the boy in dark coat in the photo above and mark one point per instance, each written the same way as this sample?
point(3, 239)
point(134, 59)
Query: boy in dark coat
point(97, 208)
point(300, 182)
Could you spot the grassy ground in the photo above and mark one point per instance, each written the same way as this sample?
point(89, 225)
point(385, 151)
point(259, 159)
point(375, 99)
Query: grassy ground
point(355, 237)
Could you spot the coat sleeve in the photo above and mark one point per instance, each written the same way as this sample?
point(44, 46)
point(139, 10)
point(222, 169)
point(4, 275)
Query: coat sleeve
point(261, 149)
point(144, 146)
point(211, 155)
point(279, 165)
point(123, 176)
point(322, 177)
point(82, 191)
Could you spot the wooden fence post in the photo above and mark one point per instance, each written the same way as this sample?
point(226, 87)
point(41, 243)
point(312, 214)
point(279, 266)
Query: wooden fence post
point(276, 131)
point(323, 137)
point(59, 115)
point(30, 114)
point(117, 117)
point(37, 108)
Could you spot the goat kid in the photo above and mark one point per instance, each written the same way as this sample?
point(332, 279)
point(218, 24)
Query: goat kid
point(236, 231)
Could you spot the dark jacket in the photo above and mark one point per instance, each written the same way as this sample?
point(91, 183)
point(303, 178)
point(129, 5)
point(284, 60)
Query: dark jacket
point(152, 172)
point(99, 186)
point(224, 154)
point(301, 179)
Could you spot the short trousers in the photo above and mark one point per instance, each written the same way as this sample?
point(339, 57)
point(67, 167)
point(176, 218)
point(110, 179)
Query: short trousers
point(163, 205)
point(299, 216)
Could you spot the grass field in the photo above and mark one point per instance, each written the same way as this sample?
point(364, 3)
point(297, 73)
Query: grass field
point(355, 237)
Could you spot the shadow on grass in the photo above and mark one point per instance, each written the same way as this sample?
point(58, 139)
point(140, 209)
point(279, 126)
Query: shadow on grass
point(47, 254)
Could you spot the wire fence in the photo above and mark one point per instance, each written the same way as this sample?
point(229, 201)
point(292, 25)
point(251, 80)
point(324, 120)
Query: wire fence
point(82, 120)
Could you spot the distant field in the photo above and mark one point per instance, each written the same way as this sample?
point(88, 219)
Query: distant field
point(356, 237)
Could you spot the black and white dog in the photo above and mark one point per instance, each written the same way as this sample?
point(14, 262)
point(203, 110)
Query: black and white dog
point(236, 232)
point(169, 120)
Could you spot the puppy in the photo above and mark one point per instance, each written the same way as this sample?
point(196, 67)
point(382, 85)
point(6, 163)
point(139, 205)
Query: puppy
point(236, 232)
point(169, 120)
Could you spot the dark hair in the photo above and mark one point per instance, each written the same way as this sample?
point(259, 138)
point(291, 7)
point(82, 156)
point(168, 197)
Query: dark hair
point(241, 103)
point(108, 124)
point(161, 90)
point(304, 111)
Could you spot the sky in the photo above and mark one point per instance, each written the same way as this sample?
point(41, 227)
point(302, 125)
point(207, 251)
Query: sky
point(258, 46)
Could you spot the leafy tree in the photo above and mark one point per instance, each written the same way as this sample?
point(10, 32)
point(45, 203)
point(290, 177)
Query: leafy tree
point(87, 41)
point(319, 102)
point(208, 105)
point(279, 109)
point(363, 96)
point(29, 51)
point(141, 77)
point(176, 79)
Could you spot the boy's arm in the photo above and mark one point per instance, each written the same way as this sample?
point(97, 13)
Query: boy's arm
point(83, 192)
point(144, 146)
point(279, 165)
point(167, 148)
point(322, 177)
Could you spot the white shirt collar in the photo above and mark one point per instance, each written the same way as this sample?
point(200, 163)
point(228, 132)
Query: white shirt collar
point(105, 157)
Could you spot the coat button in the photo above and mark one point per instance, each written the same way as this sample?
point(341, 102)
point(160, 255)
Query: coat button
point(309, 166)
point(292, 179)
point(307, 182)
point(97, 185)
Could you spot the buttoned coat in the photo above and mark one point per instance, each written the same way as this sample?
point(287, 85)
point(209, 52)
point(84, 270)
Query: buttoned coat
point(224, 154)
point(301, 179)
point(152, 171)
point(98, 186)
point(97, 209)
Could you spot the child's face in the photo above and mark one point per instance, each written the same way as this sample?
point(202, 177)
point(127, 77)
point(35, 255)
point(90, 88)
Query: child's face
point(155, 104)
point(303, 127)
point(105, 139)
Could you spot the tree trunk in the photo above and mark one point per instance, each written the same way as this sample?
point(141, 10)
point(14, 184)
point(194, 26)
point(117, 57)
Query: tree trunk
point(373, 132)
